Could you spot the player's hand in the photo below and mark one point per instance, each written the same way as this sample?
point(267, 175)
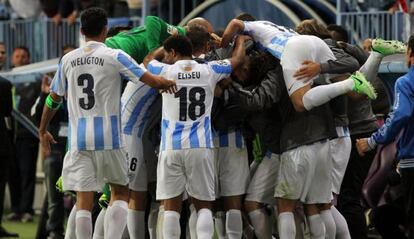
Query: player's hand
point(57, 19)
point(45, 87)
point(169, 86)
point(72, 17)
point(215, 40)
point(241, 39)
point(362, 146)
point(308, 71)
point(45, 140)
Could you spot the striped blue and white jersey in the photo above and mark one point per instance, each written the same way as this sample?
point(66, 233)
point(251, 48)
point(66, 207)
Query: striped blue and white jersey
point(269, 36)
point(186, 115)
point(136, 102)
point(232, 138)
point(90, 78)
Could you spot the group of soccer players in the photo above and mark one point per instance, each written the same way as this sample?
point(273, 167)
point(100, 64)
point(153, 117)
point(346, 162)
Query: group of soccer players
point(180, 124)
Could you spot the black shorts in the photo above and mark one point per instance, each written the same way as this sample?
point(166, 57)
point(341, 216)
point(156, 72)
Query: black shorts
point(407, 177)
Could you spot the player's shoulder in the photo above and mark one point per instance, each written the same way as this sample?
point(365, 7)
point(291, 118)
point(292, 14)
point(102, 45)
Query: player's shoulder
point(156, 67)
point(220, 66)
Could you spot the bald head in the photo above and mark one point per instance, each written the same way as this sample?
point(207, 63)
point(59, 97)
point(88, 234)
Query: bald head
point(201, 22)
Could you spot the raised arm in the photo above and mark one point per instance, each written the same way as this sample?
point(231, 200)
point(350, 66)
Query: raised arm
point(234, 27)
point(239, 51)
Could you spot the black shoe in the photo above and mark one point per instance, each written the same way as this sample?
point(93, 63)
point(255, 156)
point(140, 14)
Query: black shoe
point(5, 233)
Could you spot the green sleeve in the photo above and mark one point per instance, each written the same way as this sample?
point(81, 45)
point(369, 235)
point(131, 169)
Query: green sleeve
point(158, 31)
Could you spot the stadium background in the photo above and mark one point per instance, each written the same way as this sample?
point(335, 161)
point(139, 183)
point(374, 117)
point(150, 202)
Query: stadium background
point(45, 39)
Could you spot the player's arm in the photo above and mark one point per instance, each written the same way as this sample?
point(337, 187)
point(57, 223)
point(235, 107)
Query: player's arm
point(402, 110)
point(239, 51)
point(157, 54)
point(234, 27)
point(52, 104)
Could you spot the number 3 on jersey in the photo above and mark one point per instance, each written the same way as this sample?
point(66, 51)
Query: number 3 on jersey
point(88, 90)
point(196, 96)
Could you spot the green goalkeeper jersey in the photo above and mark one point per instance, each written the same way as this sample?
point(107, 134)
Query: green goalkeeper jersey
point(139, 41)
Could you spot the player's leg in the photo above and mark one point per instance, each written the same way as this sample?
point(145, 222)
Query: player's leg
point(200, 168)
point(112, 168)
point(380, 48)
point(171, 182)
point(71, 224)
point(84, 206)
point(286, 220)
point(152, 220)
point(303, 96)
point(340, 149)
point(316, 225)
point(233, 180)
point(260, 192)
point(136, 214)
point(80, 164)
point(99, 230)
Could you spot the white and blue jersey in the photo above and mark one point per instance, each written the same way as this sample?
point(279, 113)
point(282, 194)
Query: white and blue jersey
point(229, 138)
point(90, 78)
point(269, 36)
point(136, 104)
point(186, 115)
point(401, 118)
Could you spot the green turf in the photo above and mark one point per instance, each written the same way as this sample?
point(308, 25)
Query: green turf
point(25, 230)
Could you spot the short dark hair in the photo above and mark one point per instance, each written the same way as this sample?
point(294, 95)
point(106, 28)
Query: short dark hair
point(180, 44)
point(198, 37)
point(117, 29)
point(245, 17)
point(341, 34)
point(22, 48)
point(93, 21)
point(411, 43)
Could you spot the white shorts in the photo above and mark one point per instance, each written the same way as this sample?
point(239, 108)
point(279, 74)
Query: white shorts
point(187, 169)
point(232, 169)
point(89, 170)
point(263, 183)
point(305, 174)
point(138, 180)
point(297, 50)
point(340, 152)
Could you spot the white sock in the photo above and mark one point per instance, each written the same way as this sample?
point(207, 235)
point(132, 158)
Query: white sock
point(160, 223)
point(106, 219)
point(320, 95)
point(342, 231)
point(83, 224)
point(205, 224)
point(192, 222)
point(234, 224)
point(116, 219)
point(287, 226)
point(371, 66)
point(316, 227)
point(136, 224)
point(329, 222)
point(219, 221)
point(152, 220)
point(71, 225)
point(99, 231)
point(171, 227)
point(260, 222)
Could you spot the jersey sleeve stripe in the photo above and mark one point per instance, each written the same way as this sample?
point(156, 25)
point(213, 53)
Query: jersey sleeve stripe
point(221, 69)
point(194, 143)
point(176, 136)
point(207, 132)
point(239, 139)
point(223, 138)
point(134, 68)
point(137, 111)
point(99, 132)
point(164, 127)
point(144, 122)
point(115, 131)
point(156, 70)
point(81, 133)
point(56, 83)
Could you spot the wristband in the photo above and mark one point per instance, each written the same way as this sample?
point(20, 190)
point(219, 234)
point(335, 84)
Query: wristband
point(51, 103)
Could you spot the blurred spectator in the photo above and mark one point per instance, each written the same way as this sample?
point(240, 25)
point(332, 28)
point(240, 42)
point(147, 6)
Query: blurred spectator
point(69, 9)
point(3, 55)
point(23, 170)
point(134, 8)
point(6, 154)
point(20, 56)
point(22, 10)
point(54, 163)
